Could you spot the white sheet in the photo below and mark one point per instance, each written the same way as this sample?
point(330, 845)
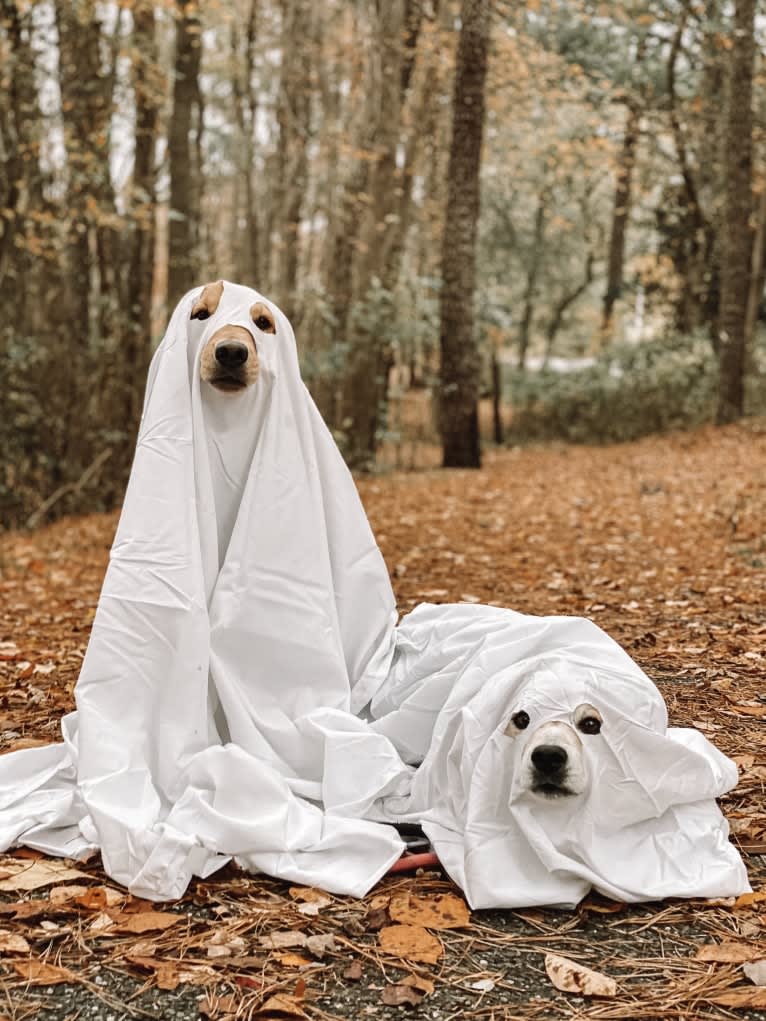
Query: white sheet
point(645, 827)
point(245, 623)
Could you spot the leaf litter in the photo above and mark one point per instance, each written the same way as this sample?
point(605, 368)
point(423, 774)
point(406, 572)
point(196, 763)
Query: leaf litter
point(662, 542)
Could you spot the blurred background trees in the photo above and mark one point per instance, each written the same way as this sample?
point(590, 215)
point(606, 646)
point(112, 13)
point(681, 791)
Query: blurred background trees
point(308, 150)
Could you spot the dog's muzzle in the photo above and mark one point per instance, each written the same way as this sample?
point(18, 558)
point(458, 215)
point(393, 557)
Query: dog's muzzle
point(550, 770)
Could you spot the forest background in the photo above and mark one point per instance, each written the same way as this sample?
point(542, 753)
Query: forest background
point(323, 153)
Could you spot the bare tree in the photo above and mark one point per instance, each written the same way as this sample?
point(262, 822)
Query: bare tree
point(459, 395)
point(736, 240)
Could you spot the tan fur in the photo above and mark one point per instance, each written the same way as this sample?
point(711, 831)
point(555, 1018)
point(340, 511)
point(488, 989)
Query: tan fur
point(208, 300)
point(260, 309)
point(211, 371)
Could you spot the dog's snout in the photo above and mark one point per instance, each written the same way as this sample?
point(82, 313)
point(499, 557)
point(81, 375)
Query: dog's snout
point(549, 758)
point(231, 353)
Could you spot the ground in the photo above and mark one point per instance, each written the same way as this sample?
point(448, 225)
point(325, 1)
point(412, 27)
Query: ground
point(661, 542)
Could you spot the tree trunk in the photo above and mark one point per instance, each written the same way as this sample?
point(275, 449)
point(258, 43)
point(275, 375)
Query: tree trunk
point(246, 243)
point(620, 214)
point(530, 288)
point(736, 235)
point(459, 393)
point(182, 155)
point(294, 119)
point(147, 91)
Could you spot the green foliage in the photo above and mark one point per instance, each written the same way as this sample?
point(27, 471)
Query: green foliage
point(630, 391)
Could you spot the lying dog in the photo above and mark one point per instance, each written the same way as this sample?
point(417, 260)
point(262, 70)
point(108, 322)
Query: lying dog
point(229, 361)
point(553, 763)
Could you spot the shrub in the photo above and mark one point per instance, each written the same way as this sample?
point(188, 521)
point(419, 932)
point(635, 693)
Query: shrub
point(630, 391)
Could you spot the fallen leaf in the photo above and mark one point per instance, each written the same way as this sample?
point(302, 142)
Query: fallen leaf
point(411, 943)
point(746, 996)
point(756, 971)
point(425, 985)
point(440, 911)
point(281, 1004)
point(311, 900)
point(213, 1006)
point(31, 875)
point(38, 973)
point(746, 899)
point(283, 939)
point(570, 977)
point(226, 944)
point(354, 971)
point(13, 943)
point(294, 960)
point(320, 945)
point(730, 953)
point(400, 994)
point(145, 921)
point(484, 985)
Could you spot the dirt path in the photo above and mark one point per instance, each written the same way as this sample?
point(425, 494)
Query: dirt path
point(661, 542)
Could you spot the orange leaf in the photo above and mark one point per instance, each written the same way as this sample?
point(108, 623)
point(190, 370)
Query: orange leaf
point(441, 911)
point(730, 953)
point(411, 943)
point(38, 973)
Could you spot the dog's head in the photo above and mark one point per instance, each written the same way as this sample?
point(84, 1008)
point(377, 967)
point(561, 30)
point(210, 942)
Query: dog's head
point(553, 761)
point(229, 359)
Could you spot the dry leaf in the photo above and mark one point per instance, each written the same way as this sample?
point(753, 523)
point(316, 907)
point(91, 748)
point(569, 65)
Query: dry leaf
point(214, 1006)
point(411, 943)
point(570, 977)
point(730, 953)
point(420, 982)
point(38, 973)
point(294, 960)
point(399, 994)
point(321, 944)
point(745, 996)
point(746, 899)
point(484, 985)
point(226, 944)
point(31, 875)
point(439, 911)
point(281, 1004)
point(311, 900)
point(145, 921)
point(13, 943)
point(354, 971)
point(756, 971)
point(283, 939)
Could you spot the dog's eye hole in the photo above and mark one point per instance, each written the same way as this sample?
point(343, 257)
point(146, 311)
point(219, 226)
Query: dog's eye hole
point(264, 323)
point(201, 314)
point(520, 720)
point(590, 725)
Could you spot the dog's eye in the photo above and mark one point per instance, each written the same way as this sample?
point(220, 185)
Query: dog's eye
point(201, 314)
point(520, 720)
point(590, 725)
point(264, 324)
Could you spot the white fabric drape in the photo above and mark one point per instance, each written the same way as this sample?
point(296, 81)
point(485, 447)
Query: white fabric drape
point(246, 694)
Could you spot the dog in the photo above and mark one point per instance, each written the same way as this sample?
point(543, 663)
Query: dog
point(229, 361)
point(553, 762)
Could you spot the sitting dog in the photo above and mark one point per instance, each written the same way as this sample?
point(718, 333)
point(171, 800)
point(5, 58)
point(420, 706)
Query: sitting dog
point(229, 361)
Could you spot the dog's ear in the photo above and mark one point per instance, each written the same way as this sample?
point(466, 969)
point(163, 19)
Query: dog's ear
point(208, 301)
point(263, 318)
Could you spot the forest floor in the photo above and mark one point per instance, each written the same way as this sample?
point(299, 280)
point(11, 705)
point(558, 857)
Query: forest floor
point(661, 542)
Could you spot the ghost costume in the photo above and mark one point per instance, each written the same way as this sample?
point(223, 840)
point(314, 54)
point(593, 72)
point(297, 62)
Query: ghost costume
point(646, 825)
point(246, 693)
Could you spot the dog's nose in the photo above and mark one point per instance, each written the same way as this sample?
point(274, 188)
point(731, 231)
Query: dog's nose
point(549, 758)
point(231, 353)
